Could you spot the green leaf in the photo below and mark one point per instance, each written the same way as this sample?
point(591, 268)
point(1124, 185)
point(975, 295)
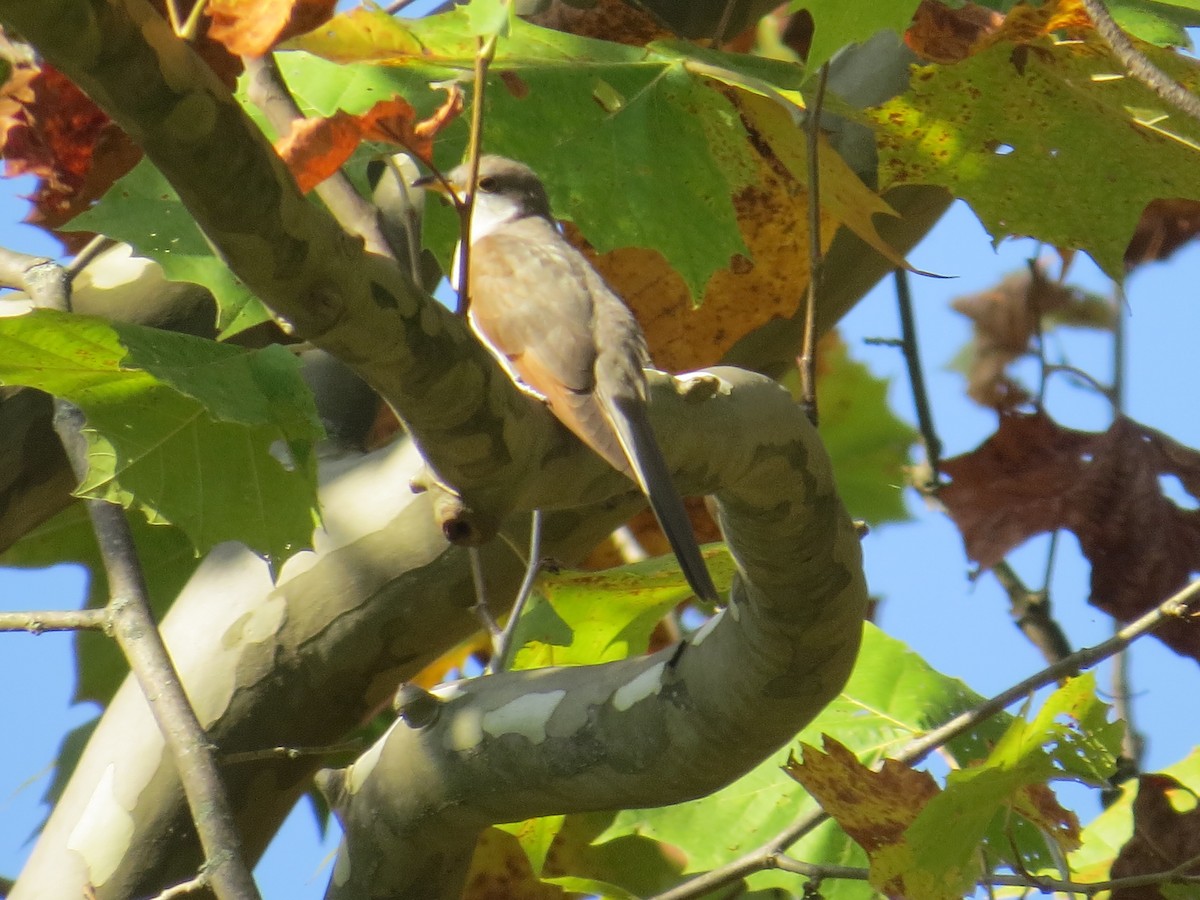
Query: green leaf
point(535, 837)
point(1069, 737)
point(892, 696)
point(837, 23)
point(591, 887)
point(185, 429)
point(489, 18)
point(1013, 125)
point(614, 110)
point(143, 209)
point(1150, 22)
point(868, 445)
point(580, 618)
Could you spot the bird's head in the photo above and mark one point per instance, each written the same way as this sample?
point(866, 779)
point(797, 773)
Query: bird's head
point(506, 191)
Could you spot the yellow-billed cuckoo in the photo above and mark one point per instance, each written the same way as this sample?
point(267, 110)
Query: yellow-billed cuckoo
point(554, 324)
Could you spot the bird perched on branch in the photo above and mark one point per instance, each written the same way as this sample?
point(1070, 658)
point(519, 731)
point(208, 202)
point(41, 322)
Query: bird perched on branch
point(554, 324)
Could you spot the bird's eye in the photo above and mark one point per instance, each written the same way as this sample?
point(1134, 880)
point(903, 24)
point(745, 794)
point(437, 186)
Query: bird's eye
point(488, 184)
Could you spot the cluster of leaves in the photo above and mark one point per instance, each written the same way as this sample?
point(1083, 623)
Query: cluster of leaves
point(1006, 108)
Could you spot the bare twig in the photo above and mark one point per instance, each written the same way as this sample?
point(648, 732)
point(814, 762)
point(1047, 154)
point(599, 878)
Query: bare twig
point(267, 90)
point(90, 251)
point(504, 648)
point(1180, 605)
point(192, 26)
point(273, 753)
point(483, 59)
point(719, 35)
point(191, 886)
point(482, 608)
point(916, 375)
point(1178, 874)
point(1030, 611)
point(808, 351)
point(132, 623)
point(1136, 63)
point(40, 621)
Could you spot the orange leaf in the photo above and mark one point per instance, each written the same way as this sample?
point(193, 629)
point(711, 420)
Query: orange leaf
point(51, 129)
point(254, 27)
point(316, 148)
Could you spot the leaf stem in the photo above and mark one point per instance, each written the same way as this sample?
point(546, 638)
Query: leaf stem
point(808, 351)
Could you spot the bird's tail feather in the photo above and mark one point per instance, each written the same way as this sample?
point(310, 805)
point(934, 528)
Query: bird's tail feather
point(632, 424)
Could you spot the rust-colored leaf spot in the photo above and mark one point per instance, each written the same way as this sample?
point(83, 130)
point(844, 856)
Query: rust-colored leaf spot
point(944, 35)
point(51, 129)
point(1165, 226)
point(515, 84)
point(254, 27)
point(316, 148)
point(1163, 836)
point(1034, 476)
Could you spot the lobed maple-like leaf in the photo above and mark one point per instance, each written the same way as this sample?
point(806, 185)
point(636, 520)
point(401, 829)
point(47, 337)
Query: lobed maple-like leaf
point(52, 130)
point(1164, 836)
point(317, 147)
point(1006, 318)
point(1034, 476)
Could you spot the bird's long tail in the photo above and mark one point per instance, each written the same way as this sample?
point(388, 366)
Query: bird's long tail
point(632, 425)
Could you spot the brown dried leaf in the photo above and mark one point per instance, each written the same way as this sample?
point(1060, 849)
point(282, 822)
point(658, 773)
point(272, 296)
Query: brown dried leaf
point(1165, 226)
point(1034, 476)
point(873, 807)
point(944, 35)
point(1163, 836)
point(1005, 320)
point(254, 27)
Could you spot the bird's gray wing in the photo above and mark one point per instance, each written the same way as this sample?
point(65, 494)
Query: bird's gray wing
point(531, 303)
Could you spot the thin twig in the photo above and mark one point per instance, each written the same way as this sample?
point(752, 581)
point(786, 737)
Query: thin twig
point(272, 753)
point(267, 91)
point(483, 59)
point(1137, 64)
point(43, 620)
point(808, 351)
point(1133, 744)
point(723, 24)
point(173, 16)
point(1030, 611)
point(1045, 885)
point(192, 26)
point(1179, 605)
point(916, 375)
point(191, 886)
point(1090, 380)
point(482, 609)
point(504, 646)
point(133, 626)
point(84, 257)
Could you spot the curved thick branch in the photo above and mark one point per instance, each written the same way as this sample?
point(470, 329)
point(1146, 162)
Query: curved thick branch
point(640, 732)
